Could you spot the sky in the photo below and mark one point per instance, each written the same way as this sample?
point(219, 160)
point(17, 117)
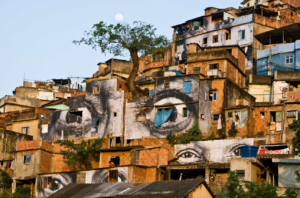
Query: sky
point(36, 35)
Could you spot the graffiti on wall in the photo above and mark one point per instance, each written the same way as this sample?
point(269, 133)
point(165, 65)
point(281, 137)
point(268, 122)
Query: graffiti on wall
point(97, 113)
point(218, 151)
point(49, 184)
point(141, 115)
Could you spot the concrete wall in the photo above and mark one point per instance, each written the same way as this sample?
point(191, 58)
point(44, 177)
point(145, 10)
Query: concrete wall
point(262, 93)
point(27, 171)
point(252, 172)
point(33, 126)
point(200, 192)
point(14, 100)
point(8, 143)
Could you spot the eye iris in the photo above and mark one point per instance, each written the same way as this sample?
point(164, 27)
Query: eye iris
point(236, 152)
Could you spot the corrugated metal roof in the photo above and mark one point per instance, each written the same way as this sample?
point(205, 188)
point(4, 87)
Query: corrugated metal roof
point(157, 189)
point(176, 189)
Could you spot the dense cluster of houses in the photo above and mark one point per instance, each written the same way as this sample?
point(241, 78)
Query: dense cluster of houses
point(234, 71)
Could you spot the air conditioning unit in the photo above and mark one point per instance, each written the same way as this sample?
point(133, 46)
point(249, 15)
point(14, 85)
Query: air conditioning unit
point(242, 102)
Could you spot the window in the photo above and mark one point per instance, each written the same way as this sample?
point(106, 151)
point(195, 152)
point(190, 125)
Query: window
point(241, 174)
point(276, 116)
point(120, 86)
point(242, 34)
point(262, 114)
point(167, 84)
point(228, 34)
point(230, 51)
point(184, 112)
point(27, 159)
point(95, 122)
point(248, 4)
point(291, 114)
point(187, 86)
point(202, 117)
point(151, 92)
point(115, 160)
point(229, 115)
point(215, 38)
point(212, 96)
point(204, 40)
point(115, 114)
point(136, 157)
point(214, 66)
point(47, 182)
point(215, 117)
point(25, 130)
point(237, 116)
point(180, 48)
point(289, 59)
point(113, 176)
point(240, 116)
point(118, 141)
point(44, 128)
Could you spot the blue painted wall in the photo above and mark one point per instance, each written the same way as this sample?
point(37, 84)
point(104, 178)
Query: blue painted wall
point(279, 54)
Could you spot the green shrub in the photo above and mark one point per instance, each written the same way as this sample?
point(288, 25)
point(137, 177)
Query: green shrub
point(232, 132)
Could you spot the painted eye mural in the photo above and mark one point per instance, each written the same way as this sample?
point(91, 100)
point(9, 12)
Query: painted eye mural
point(47, 185)
point(171, 109)
point(190, 156)
point(218, 151)
point(176, 122)
point(104, 176)
point(91, 114)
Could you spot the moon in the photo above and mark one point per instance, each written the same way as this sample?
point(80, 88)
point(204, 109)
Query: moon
point(119, 17)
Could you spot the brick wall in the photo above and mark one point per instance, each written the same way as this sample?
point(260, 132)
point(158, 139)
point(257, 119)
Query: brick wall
point(294, 96)
point(125, 158)
point(27, 145)
point(45, 162)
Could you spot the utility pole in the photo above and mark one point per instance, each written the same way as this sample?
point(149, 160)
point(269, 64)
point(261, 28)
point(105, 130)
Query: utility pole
point(270, 62)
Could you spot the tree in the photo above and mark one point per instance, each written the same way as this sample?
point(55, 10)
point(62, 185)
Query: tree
point(81, 154)
point(295, 126)
point(237, 188)
point(5, 180)
point(121, 38)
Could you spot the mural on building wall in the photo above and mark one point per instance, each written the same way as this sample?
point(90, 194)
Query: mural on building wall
point(97, 113)
point(49, 184)
point(217, 151)
point(101, 176)
point(142, 114)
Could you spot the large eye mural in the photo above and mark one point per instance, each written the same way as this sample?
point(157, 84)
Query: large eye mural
point(183, 107)
point(90, 115)
point(177, 121)
point(49, 184)
point(219, 151)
